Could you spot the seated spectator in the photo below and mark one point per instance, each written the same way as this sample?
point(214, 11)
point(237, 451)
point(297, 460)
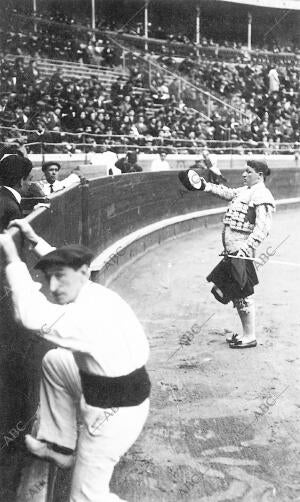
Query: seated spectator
point(116, 91)
point(161, 93)
point(128, 164)
point(39, 136)
point(160, 163)
point(32, 74)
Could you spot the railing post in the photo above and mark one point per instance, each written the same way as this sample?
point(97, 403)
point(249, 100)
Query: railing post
point(150, 73)
point(85, 148)
point(146, 24)
point(197, 30)
point(208, 107)
point(42, 153)
point(124, 62)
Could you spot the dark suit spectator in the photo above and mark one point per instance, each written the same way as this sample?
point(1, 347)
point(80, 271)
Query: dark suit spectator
point(128, 164)
point(32, 74)
point(40, 136)
point(14, 172)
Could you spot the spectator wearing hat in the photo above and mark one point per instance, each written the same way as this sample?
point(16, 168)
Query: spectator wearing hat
point(160, 163)
point(128, 164)
point(51, 184)
point(14, 173)
point(97, 372)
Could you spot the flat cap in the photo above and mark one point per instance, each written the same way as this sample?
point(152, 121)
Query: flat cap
point(45, 165)
point(73, 255)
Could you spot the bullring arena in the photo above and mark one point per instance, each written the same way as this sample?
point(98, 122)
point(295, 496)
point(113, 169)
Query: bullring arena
point(223, 424)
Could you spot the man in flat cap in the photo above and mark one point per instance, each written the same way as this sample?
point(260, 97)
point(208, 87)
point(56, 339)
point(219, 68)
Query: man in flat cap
point(14, 171)
point(98, 367)
point(51, 184)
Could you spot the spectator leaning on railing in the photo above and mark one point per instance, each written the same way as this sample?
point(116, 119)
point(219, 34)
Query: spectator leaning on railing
point(50, 184)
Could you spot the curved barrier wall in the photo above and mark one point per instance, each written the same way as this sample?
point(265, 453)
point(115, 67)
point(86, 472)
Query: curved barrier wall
point(96, 214)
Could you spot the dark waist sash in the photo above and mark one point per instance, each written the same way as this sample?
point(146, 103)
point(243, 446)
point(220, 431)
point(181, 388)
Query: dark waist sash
point(114, 392)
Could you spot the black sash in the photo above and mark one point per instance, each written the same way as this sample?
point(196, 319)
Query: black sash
point(115, 392)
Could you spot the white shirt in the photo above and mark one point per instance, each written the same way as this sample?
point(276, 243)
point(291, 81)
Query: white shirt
point(99, 327)
point(16, 194)
point(59, 185)
point(274, 82)
point(106, 158)
point(160, 165)
point(56, 186)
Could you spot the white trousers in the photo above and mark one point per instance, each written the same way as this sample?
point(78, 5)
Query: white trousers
point(103, 437)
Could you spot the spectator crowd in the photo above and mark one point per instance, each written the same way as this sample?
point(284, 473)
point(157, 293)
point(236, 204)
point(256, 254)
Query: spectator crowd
point(49, 110)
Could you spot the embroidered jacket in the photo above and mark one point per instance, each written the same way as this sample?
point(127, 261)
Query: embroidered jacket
point(248, 219)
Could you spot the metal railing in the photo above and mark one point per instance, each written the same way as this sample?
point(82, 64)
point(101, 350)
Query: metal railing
point(204, 101)
point(121, 144)
point(214, 51)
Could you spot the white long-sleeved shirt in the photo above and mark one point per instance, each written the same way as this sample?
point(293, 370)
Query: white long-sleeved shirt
point(58, 185)
point(99, 327)
point(160, 165)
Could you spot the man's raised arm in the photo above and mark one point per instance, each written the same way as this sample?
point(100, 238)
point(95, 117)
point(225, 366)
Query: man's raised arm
point(38, 244)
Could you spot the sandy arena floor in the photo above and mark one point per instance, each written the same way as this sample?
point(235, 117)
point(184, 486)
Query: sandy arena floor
point(224, 424)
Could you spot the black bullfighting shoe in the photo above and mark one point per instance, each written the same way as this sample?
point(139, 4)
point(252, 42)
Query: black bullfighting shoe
point(42, 450)
point(232, 338)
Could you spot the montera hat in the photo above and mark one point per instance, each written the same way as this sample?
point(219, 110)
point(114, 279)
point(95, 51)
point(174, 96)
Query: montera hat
point(73, 255)
point(191, 180)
